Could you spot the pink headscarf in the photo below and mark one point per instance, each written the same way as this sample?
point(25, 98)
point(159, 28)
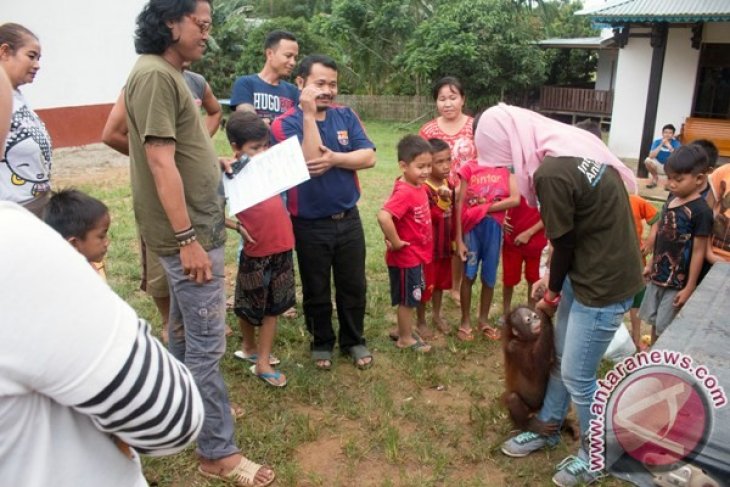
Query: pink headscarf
point(508, 135)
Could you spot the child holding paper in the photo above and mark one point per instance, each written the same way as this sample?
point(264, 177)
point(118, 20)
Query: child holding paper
point(265, 280)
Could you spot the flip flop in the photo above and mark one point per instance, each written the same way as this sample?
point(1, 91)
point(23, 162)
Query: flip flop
point(244, 474)
point(465, 335)
point(418, 346)
point(271, 378)
point(322, 359)
point(359, 352)
point(651, 185)
point(253, 358)
point(489, 332)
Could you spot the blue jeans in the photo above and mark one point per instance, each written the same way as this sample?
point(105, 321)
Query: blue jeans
point(582, 335)
point(197, 338)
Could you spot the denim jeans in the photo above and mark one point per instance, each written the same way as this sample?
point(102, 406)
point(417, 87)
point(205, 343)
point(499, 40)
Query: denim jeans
point(197, 338)
point(332, 248)
point(582, 335)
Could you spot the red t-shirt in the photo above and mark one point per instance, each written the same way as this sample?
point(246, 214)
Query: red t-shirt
point(521, 218)
point(269, 225)
point(461, 144)
point(441, 220)
point(484, 186)
point(409, 206)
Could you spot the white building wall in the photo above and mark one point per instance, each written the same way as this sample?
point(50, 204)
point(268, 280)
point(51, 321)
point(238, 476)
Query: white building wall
point(678, 80)
point(630, 94)
point(606, 69)
point(87, 48)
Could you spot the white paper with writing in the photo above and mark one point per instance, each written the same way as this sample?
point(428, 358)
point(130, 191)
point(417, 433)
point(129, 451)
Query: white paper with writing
point(267, 174)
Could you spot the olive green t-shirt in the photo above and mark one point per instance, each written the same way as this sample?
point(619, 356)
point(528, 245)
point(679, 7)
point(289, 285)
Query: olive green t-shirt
point(590, 198)
point(159, 104)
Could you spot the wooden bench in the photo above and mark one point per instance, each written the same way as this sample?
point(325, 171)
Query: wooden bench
point(714, 129)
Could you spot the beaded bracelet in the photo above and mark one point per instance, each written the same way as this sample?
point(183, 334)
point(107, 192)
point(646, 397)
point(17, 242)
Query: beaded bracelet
point(187, 241)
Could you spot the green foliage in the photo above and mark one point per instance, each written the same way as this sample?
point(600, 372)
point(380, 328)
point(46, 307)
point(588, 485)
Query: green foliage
point(403, 46)
point(237, 47)
point(488, 44)
point(568, 67)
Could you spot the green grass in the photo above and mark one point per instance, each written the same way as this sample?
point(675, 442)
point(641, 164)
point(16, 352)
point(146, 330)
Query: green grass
point(390, 425)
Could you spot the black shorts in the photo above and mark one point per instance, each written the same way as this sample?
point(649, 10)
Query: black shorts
point(406, 285)
point(264, 286)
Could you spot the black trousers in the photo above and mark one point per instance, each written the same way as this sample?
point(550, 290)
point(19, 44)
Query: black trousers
point(327, 249)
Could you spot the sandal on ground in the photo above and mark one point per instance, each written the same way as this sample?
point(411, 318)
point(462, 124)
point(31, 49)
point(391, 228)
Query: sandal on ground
point(275, 378)
point(358, 353)
point(243, 475)
point(490, 332)
point(418, 346)
point(465, 335)
point(322, 359)
point(651, 185)
point(253, 357)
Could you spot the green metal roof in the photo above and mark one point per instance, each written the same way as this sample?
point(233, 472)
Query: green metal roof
point(671, 11)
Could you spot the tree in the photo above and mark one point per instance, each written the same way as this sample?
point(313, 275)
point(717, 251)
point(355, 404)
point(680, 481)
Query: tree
point(371, 34)
point(570, 67)
point(237, 44)
point(488, 44)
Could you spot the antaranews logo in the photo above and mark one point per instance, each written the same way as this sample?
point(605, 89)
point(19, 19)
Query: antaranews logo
point(658, 404)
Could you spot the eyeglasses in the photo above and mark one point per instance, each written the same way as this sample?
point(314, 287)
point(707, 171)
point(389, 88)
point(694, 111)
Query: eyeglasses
point(205, 26)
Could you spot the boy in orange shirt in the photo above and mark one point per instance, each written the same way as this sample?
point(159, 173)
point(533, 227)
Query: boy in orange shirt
point(642, 211)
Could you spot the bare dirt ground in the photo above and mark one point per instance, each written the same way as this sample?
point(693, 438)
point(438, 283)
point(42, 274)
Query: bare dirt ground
point(95, 162)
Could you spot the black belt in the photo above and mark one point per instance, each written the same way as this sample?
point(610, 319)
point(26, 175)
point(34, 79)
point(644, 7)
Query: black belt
point(342, 214)
point(337, 216)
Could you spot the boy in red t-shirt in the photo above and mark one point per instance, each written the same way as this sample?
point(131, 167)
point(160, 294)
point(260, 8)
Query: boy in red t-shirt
point(437, 274)
point(265, 280)
point(406, 223)
point(524, 240)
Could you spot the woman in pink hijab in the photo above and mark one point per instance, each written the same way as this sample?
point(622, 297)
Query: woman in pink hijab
point(595, 269)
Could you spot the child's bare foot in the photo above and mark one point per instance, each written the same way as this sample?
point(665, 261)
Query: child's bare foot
point(424, 331)
point(229, 331)
point(441, 325)
point(455, 295)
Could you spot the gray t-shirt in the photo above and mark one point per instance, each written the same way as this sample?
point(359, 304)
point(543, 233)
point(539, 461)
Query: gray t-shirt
point(196, 82)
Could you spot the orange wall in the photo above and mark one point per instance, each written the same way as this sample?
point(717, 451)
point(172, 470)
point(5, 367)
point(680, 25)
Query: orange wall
point(72, 126)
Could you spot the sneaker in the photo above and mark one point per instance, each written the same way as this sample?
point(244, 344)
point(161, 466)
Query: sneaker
point(574, 471)
point(527, 442)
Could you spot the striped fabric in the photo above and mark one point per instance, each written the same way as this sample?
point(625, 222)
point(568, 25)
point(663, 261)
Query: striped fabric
point(151, 404)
